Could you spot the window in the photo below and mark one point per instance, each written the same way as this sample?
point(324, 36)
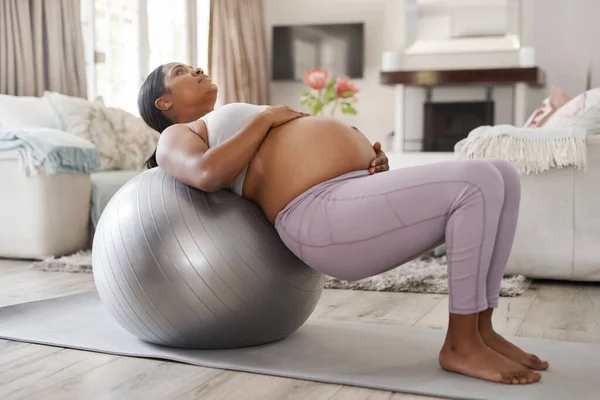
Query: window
point(168, 28)
point(126, 39)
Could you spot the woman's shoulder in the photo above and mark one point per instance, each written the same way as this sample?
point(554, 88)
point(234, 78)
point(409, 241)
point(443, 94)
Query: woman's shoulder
point(173, 134)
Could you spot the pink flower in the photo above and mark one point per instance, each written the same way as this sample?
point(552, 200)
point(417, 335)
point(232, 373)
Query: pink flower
point(344, 88)
point(317, 78)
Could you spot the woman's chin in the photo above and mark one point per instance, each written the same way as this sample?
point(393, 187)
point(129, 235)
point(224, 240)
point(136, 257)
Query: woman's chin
point(207, 84)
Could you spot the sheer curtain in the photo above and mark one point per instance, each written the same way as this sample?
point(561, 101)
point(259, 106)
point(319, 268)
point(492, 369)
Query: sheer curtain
point(237, 51)
point(129, 38)
point(41, 48)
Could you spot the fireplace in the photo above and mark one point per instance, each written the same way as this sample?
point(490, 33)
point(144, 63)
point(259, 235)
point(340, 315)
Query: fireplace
point(463, 100)
point(447, 123)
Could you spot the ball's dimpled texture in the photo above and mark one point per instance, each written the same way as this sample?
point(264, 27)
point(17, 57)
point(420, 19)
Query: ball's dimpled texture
point(180, 267)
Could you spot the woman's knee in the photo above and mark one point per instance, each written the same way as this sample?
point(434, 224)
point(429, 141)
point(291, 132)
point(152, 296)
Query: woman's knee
point(512, 180)
point(486, 178)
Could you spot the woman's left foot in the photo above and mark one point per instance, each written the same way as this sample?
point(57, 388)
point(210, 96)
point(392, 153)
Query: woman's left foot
point(496, 342)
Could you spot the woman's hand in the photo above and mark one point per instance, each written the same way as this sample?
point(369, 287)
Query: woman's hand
point(279, 115)
point(380, 163)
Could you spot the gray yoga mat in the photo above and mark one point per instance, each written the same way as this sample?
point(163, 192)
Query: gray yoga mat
point(357, 354)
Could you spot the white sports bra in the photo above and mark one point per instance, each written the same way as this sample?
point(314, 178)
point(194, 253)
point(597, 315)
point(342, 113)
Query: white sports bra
point(226, 121)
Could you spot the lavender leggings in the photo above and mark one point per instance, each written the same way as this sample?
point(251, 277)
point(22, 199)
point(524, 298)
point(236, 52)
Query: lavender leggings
point(359, 225)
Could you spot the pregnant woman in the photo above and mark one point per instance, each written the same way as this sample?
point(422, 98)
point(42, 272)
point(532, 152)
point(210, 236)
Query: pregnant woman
point(314, 179)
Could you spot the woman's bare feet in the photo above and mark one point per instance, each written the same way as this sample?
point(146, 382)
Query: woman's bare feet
point(481, 362)
point(496, 342)
point(466, 353)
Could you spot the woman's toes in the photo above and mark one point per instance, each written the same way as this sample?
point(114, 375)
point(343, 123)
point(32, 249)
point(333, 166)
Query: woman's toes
point(515, 379)
point(533, 377)
point(524, 377)
point(537, 363)
point(506, 378)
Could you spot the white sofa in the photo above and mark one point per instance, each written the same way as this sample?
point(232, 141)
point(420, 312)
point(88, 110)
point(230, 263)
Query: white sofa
point(558, 235)
point(52, 215)
point(42, 215)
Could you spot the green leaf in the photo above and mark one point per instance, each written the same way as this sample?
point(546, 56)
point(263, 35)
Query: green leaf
point(330, 92)
point(309, 99)
point(318, 106)
point(347, 94)
point(309, 96)
point(347, 108)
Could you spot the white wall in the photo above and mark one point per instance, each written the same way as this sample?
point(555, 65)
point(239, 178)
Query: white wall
point(383, 31)
point(566, 37)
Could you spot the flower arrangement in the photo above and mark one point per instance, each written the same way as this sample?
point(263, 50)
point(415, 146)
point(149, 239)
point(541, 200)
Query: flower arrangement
point(325, 91)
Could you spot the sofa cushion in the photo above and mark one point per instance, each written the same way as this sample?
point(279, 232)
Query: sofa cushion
point(104, 186)
point(26, 112)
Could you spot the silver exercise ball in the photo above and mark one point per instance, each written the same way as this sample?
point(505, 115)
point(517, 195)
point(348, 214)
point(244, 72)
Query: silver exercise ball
point(179, 267)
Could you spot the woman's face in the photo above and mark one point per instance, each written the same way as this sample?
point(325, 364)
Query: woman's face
point(189, 93)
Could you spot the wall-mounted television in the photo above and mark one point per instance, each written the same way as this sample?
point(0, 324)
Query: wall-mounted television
point(336, 47)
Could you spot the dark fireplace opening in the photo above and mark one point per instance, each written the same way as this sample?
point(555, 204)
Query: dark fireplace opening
point(447, 123)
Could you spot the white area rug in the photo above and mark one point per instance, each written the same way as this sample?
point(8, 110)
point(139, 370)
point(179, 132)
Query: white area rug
point(426, 274)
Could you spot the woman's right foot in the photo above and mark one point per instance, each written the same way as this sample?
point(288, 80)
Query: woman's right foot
point(481, 362)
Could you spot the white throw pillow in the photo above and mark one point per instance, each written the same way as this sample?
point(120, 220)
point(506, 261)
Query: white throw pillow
point(88, 120)
point(137, 141)
point(558, 98)
point(18, 112)
point(582, 111)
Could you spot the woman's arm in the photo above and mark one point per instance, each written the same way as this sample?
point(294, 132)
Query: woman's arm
point(184, 155)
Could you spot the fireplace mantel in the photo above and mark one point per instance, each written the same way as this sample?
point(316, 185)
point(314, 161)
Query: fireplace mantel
point(460, 82)
point(533, 76)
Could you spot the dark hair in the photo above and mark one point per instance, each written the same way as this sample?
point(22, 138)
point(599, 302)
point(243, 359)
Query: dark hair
point(152, 89)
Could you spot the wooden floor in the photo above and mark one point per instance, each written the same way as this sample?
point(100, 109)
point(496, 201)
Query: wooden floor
point(562, 311)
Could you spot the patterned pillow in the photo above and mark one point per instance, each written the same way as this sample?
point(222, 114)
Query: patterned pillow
point(88, 120)
point(582, 111)
point(136, 140)
point(558, 97)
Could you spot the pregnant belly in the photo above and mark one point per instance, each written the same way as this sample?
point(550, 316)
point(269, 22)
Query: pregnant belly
point(301, 154)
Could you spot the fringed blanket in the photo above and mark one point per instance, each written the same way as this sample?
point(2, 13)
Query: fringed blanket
point(529, 150)
point(52, 149)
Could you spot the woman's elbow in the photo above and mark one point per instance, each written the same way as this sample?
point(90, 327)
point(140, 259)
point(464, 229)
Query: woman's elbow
point(207, 181)
point(207, 185)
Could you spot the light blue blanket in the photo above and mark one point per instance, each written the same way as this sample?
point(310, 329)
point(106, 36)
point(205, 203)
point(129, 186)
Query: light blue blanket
point(51, 149)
